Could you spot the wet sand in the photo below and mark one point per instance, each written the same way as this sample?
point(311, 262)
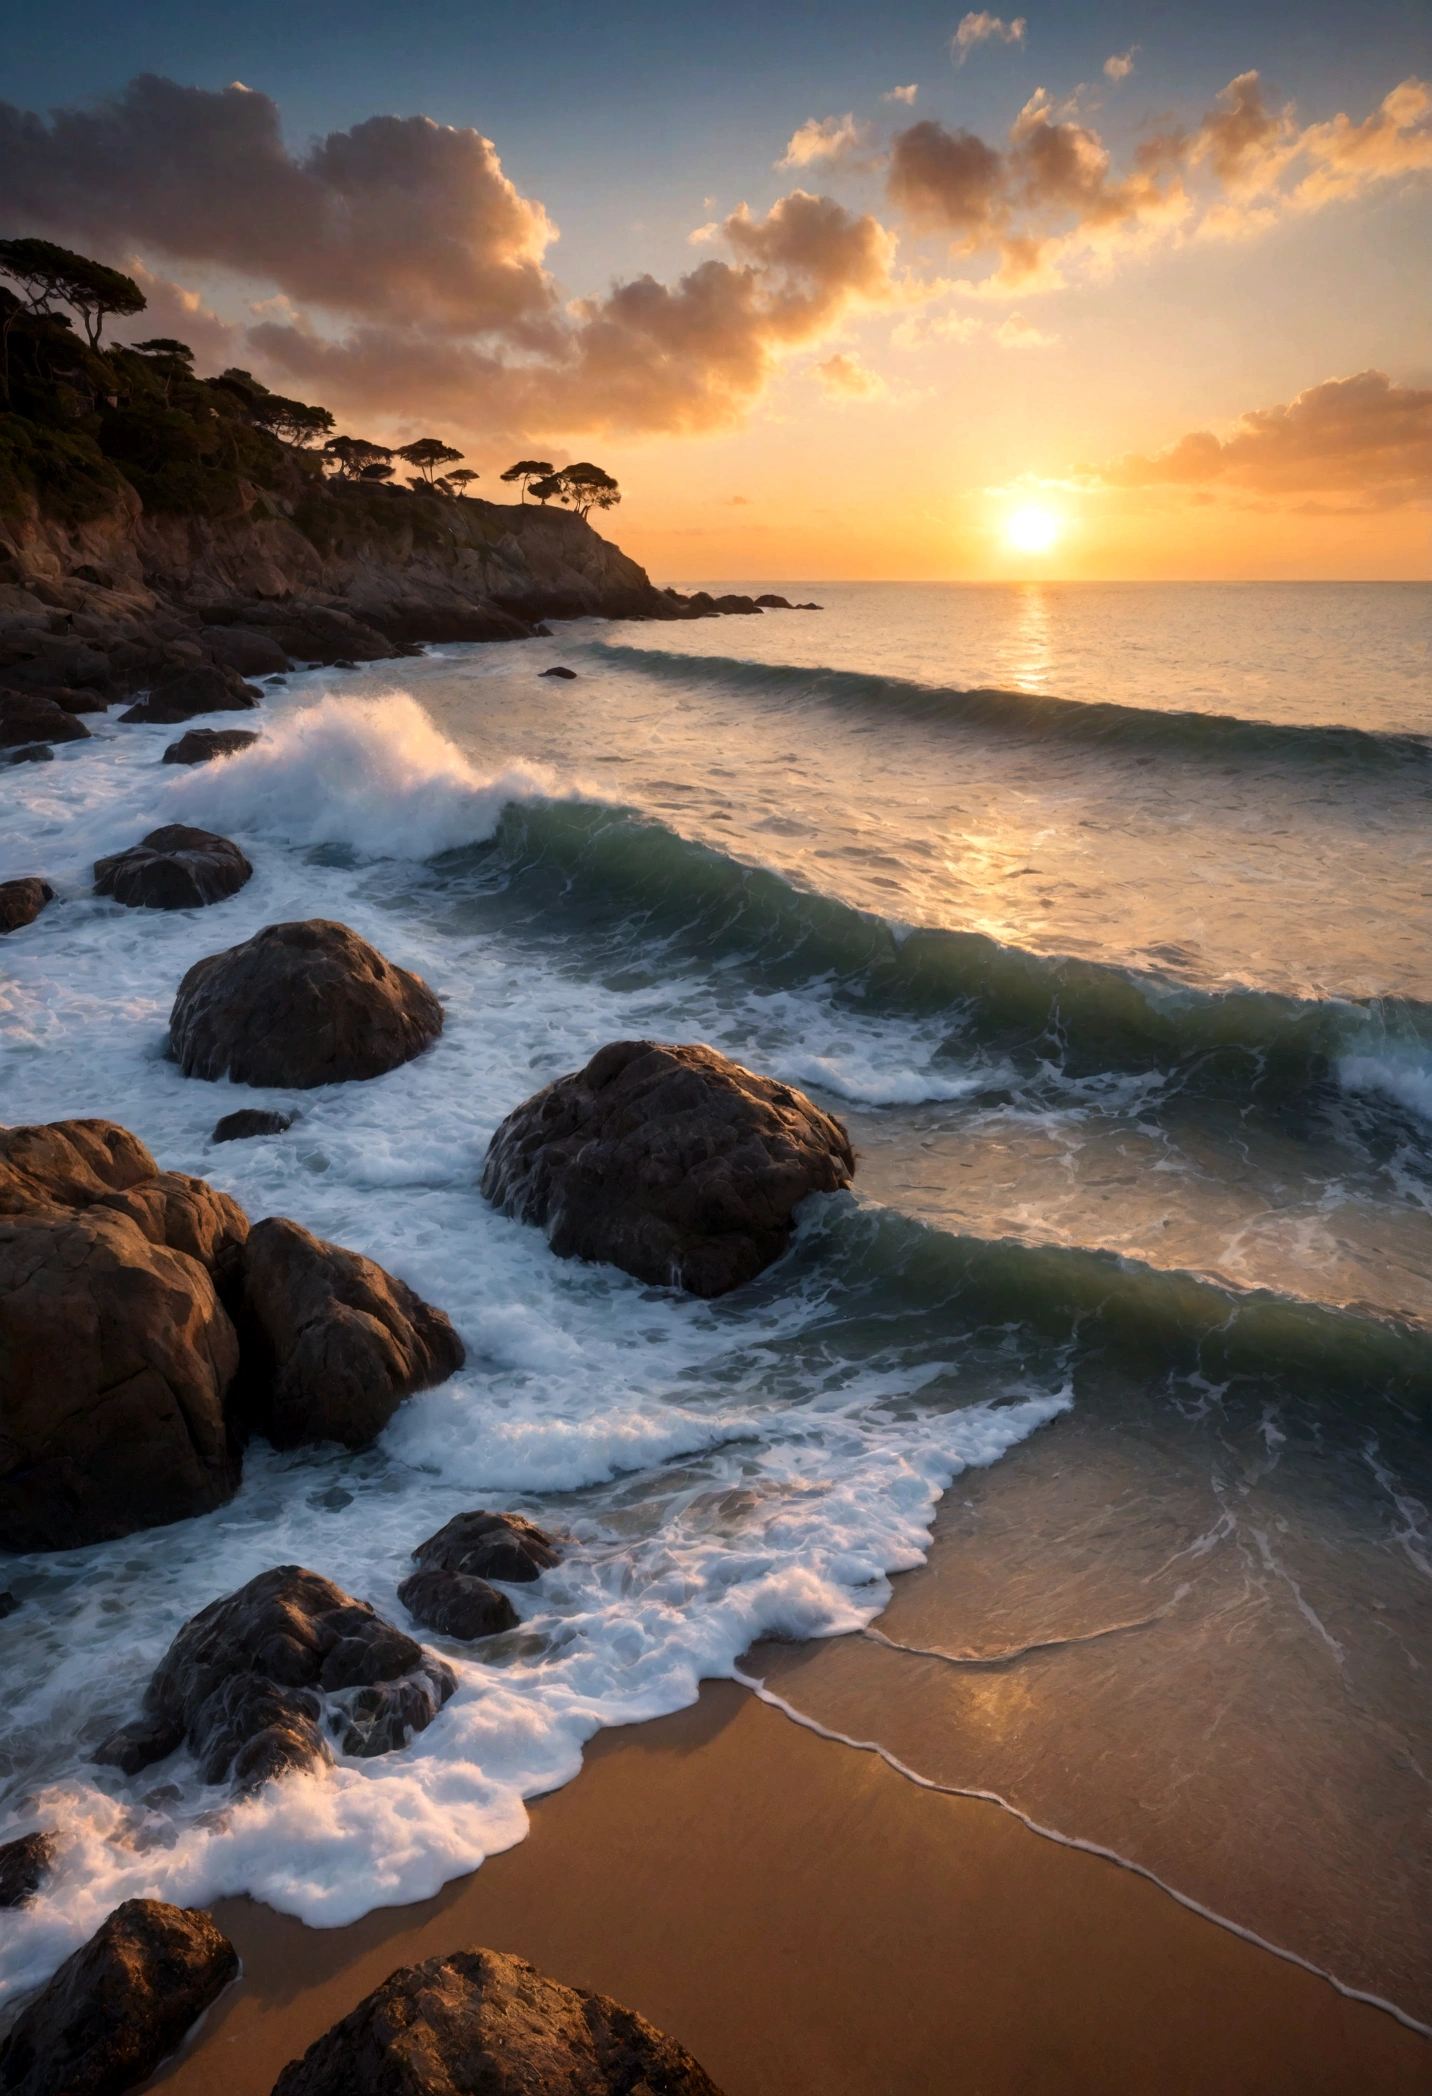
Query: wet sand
point(806, 1920)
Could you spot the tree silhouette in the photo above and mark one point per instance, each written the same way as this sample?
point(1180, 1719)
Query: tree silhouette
point(352, 454)
point(527, 470)
point(586, 487)
point(164, 346)
point(46, 273)
point(426, 454)
point(457, 483)
point(293, 421)
point(544, 490)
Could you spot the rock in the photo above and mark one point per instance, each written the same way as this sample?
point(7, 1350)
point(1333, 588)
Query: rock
point(570, 675)
point(673, 1163)
point(200, 744)
point(773, 603)
point(456, 1605)
point(247, 1682)
point(304, 631)
point(120, 2004)
point(22, 901)
point(118, 1356)
point(204, 688)
point(118, 1361)
point(26, 718)
point(244, 649)
point(489, 1546)
point(24, 1866)
point(807, 607)
point(248, 1121)
point(484, 2023)
point(331, 1343)
point(30, 753)
point(746, 605)
point(173, 868)
point(300, 1004)
point(344, 664)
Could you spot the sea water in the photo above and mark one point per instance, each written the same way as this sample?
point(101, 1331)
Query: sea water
point(1102, 916)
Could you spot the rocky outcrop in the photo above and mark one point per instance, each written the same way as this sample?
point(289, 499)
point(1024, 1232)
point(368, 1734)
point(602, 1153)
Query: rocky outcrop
point(257, 1683)
point(300, 1004)
point(28, 753)
point(489, 1546)
point(455, 1605)
point(200, 745)
point(673, 1163)
point(120, 2004)
point(483, 2023)
point(331, 1343)
point(173, 868)
point(250, 1121)
point(22, 901)
point(27, 718)
point(204, 688)
point(24, 1867)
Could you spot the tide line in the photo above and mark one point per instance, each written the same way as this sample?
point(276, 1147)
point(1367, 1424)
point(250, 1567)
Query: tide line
point(1072, 1841)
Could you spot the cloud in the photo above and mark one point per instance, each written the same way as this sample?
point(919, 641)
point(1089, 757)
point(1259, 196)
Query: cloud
point(646, 357)
point(1120, 65)
point(397, 218)
point(825, 138)
point(1019, 333)
point(920, 330)
point(846, 378)
point(1361, 437)
point(979, 29)
point(1050, 196)
point(903, 94)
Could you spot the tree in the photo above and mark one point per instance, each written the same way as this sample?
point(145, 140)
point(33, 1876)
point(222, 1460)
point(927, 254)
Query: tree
point(46, 273)
point(426, 454)
point(527, 470)
point(351, 454)
point(544, 490)
point(587, 487)
point(377, 472)
point(457, 483)
point(292, 421)
point(164, 346)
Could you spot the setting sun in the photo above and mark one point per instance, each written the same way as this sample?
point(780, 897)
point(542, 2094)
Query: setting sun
point(1032, 530)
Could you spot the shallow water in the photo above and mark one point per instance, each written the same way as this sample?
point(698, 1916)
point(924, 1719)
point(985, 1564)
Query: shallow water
point(1130, 1010)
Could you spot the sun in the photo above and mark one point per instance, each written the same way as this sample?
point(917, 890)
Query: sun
point(1032, 530)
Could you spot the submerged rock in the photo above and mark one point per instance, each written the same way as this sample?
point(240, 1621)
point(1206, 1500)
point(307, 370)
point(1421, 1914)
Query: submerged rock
point(199, 745)
point(300, 1004)
point(456, 1605)
point(250, 1121)
point(118, 1357)
point(30, 753)
point(489, 1546)
point(205, 687)
point(673, 1163)
point(331, 1343)
point(120, 2004)
point(22, 901)
point(173, 868)
point(483, 2023)
point(251, 1681)
point(559, 671)
point(24, 1866)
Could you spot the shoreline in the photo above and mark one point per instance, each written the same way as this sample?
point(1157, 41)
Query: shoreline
point(804, 1919)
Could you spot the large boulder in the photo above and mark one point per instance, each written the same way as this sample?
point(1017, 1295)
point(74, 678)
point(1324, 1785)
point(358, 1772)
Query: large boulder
point(26, 718)
point(117, 1360)
point(199, 745)
point(119, 2004)
point(331, 1343)
point(173, 868)
point(22, 901)
point(484, 2023)
point(257, 1681)
point(24, 1867)
point(300, 1004)
point(243, 649)
point(673, 1163)
point(115, 1363)
point(205, 687)
point(456, 1606)
point(489, 1546)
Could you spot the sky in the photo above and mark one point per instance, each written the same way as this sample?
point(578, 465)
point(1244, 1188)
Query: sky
point(1093, 291)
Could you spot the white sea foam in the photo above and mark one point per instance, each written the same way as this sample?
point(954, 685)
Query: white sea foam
point(1401, 1074)
point(722, 1470)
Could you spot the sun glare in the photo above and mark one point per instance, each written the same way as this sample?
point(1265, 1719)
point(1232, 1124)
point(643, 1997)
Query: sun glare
point(1032, 530)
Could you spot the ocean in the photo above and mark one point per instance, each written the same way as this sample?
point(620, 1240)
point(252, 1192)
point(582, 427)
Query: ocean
point(1101, 915)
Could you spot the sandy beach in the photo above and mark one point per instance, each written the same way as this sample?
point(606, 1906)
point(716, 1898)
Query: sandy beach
point(806, 1920)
